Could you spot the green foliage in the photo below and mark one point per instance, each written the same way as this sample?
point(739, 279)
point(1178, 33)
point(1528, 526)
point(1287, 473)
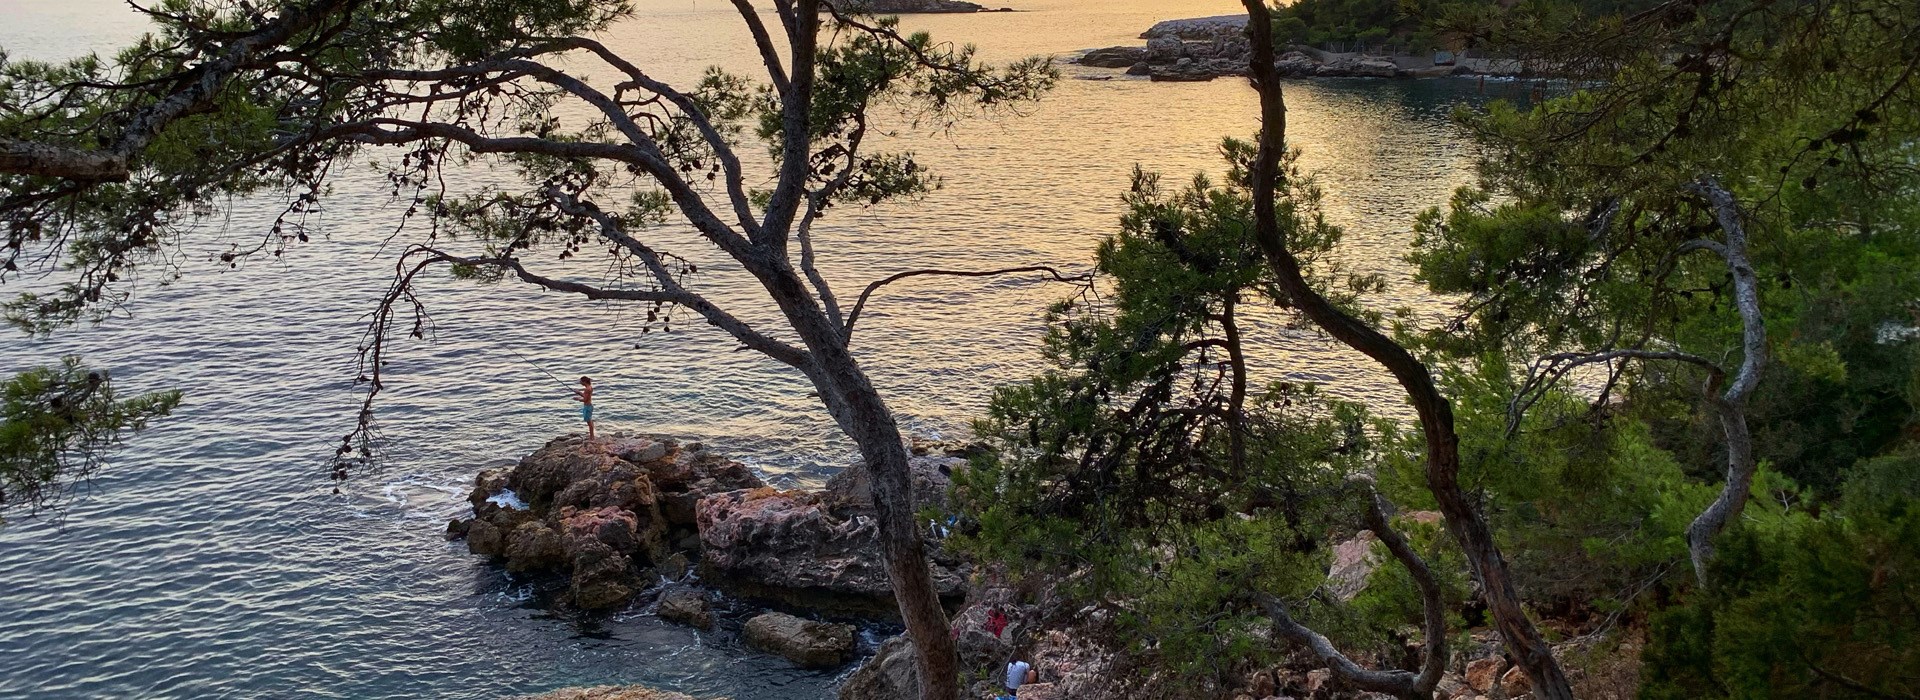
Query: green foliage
point(1806, 605)
point(1426, 25)
point(1589, 509)
point(1142, 468)
point(57, 423)
point(1380, 615)
point(1583, 232)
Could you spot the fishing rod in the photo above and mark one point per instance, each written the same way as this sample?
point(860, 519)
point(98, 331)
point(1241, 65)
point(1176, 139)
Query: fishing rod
point(543, 370)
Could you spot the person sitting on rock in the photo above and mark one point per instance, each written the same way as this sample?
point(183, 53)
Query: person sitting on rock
point(584, 395)
point(1019, 673)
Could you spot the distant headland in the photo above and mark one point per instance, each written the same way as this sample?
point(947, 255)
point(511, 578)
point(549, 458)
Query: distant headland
point(919, 7)
point(1204, 48)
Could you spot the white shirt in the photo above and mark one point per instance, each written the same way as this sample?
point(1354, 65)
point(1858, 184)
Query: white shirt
point(1017, 674)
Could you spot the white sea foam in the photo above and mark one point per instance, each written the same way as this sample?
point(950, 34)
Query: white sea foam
point(507, 499)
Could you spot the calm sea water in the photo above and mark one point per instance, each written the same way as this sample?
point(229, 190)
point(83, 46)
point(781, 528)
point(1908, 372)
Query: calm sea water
point(213, 560)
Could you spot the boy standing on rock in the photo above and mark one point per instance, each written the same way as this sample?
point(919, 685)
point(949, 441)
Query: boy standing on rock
point(584, 395)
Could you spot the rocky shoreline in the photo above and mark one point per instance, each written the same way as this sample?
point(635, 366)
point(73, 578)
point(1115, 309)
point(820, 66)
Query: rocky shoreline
point(635, 521)
point(649, 523)
point(1202, 49)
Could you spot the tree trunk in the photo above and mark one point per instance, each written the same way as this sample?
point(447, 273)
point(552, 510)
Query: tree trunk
point(1237, 400)
point(890, 481)
point(854, 403)
point(1436, 413)
point(1731, 406)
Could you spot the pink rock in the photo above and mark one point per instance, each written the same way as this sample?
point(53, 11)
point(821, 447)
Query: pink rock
point(1482, 672)
point(1353, 561)
point(1516, 682)
point(1042, 691)
point(1317, 678)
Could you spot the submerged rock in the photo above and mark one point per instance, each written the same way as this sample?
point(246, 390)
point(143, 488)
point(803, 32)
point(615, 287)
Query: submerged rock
point(1114, 57)
point(804, 642)
point(686, 605)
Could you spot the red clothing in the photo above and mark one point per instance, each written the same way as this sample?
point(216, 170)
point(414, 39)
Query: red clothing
point(996, 622)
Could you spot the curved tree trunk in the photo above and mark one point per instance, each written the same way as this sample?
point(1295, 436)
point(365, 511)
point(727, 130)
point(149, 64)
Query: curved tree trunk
point(890, 482)
point(857, 407)
point(1464, 522)
point(1405, 685)
point(1731, 405)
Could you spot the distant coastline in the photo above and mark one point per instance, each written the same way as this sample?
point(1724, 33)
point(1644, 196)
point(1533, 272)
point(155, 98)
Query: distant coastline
point(920, 7)
point(1204, 48)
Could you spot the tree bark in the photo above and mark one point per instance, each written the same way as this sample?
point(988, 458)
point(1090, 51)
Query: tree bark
point(1464, 522)
point(856, 405)
point(891, 483)
point(193, 91)
point(1405, 685)
point(1731, 405)
point(1237, 400)
point(29, 158)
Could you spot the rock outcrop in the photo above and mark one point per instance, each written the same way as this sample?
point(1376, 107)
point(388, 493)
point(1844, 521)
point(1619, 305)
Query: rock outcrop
point(619, 516)
point(1200, 28)
point(792, 547)
point(1355, 559)
point(1358, 67)
point(914, 7)
point(1114, 57)
point(1481, 673)
point(1080, 652)
point(1294, 64)
point(1204, 48)
point(849, 490)
point(891, 673)
point(1353, 563)
point(603, 513)
point(805, 642)
point(818, 550)
point(1076, 651)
